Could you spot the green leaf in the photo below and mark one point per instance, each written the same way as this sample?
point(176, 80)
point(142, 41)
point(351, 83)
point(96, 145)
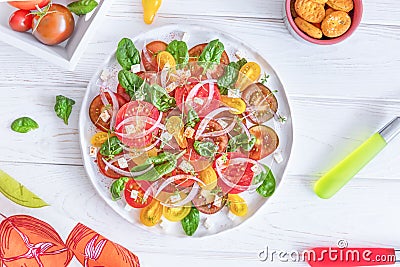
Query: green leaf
point(111, 147)
point(205, 149)
point(133, 84)
point(117, 187)
point(191, 222)
point(24, 125)
point(82, 7)
point(211, 54)
point(18, 193)
point(63, 107)
point(160, 98)
point(127, 55)
point(267, 188)
point(241, 141)
point(231, 74)
point(192, 118)
point(179, 50)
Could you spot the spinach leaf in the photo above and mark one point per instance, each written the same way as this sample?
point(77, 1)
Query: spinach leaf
point(127, 54)
point(24, 125)
point(117, 187)
point(133, 84)
point(192, 118)
point(211, 54)
point(179, 50)
point(241, 141)
point(63, 107)
point(230, 76)
point(159, 97)
point(205, 149)
point(267, 188)
point(82, 7)
point(111, 147)
point(191, 222)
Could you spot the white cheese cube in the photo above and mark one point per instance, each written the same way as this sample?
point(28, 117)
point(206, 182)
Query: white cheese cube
point(185, 37)
point(234, 93)
point(105, 116)
point(175, 198)
point(198, 101)
point(128, 208)
point(278, 157)
point(122, 163)
point(207, 224)
point(105, 74)
point(130, 129)
point(166, 136)
point(239, 54)
point(186, 166)
point(93, 151)
point(134, 194)
point(218, 202)
point(222, 123)
point(189, 132)
point(231, 216)
point(256, 169)
point(135, 68)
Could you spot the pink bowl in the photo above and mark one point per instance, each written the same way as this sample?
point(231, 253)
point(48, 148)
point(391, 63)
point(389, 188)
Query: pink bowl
point(355, 14)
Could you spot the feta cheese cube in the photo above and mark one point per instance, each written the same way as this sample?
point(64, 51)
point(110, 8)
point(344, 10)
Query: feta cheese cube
point(127, 207)
point(166, 136)
point(234, 93)
point(186, 166)
point(256, 169)
point(175, 198)
point(189, 132)
point(134, 194)
point(207, 224)
point(185, 37)
point(105, 116)
point(222, 123)
point(130, 129)
point(105, 74)
point(239, 54)
point(278, 157)
point(218, 201)
point(231, 216)
point(122, 163)
point(93, 151)
point(198, 101)
point(135, 68)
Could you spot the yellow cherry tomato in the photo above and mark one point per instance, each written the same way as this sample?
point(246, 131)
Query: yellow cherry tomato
point(248, 74)
point(174, 125)
point(176, 214)
point(181, 139)
point(237, 205)
point(150, 8)
point(151, 215)
point(164, 58)
point(237, 104)
point(99, 138)
point(209, 177)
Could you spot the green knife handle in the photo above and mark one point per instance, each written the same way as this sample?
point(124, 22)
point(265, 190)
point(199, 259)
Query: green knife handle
point(337, 177)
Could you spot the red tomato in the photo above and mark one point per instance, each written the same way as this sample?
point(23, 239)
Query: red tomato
point(29, 5)
point(122, 92)
point(239, 174)
point(196, 51)
point(209, 208)
point(137, 202)
point(182, 182)
point(267, 141)
point(149, 55)
point(106, 171)
point(55, 27)
point(133, 109)
point(21, 20)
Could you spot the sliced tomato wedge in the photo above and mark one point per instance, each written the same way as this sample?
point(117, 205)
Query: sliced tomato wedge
point(239, 174)
point(267, 141)
point(135, 199)
point(149, 55)
point(182, 182)
point(107, 171)
point(140, 110)
point(194, 54)
point(209, 208)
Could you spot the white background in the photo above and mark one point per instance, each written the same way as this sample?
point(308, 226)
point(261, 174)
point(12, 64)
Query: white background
point(339, 95)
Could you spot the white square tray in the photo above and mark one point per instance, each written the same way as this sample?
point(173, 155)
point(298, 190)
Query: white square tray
point(66, 54)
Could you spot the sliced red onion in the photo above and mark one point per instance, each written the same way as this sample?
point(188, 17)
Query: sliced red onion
point(187, 199)
point(135, 119)
point(126, 173)
point(197, 87)
point(115, 104)
point(150, 191)
point(207, 119)
point(246, 131)
point(221, 132)
point(156, 125)
point(146, 53)
point(172, 179)
point(135, 150)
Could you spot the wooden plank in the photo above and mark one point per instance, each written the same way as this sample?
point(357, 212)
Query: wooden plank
point(294, 219)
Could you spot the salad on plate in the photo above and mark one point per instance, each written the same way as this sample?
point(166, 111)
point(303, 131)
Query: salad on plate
point(184, 133)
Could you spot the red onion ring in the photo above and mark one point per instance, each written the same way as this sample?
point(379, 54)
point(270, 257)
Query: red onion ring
point(188, 198)
point(125, 173)
point(156, 125)
point(207, 119)
point(221, 132)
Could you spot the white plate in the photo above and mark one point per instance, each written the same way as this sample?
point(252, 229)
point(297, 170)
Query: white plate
point(66, 54)
point(198, 34)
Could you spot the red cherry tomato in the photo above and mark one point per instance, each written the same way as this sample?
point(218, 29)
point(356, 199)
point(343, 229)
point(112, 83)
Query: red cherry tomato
point(21, 20)
point(136, 200)
point(29, 5)
point(149, 55)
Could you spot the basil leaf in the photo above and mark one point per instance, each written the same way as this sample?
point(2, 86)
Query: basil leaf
point(267, 188)
point(24, 125)
point(211, 54)
point(63, 107)
point(117, 187)
point(127, 55)
point(159, 97)
point(179, 50)
point(231, 74)
point(192, 118)
point(111, 147)
point(191, 222)
point(133, 84)
point(205, 149)
point(82, 7)
point(241, 141)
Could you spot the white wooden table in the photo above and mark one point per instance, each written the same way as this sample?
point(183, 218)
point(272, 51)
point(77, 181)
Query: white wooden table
point(339, 96)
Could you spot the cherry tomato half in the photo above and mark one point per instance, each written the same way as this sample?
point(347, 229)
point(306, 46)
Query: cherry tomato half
point(149, 55)
point(151, 215)
point(21, 20)
point(237, 205)
point(176, 214)
point(165, 58)
point(267, 142)
point(135, 199)
point(29, 5)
